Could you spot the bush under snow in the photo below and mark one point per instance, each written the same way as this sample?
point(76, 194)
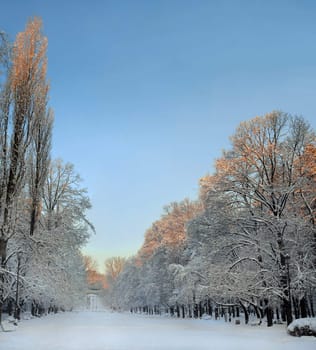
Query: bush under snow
point(302, 326)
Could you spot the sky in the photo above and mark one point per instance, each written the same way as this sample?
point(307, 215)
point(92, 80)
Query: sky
point(147, 93)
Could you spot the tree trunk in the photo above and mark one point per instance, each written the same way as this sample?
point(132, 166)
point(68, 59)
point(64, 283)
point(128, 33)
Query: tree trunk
point(183, 311)
point(3, 257)
point(245, 312)
point(178, 311)
point(216, 313)
point(283, 314)
point(269, 313)
point(1, 305)
point(3, 251)
point(285, 283)
point(171, 310)
point(200, 309)
point(311, 305)
point(189, 311)
point(33, 221)
point(196, 311)
point(303, 307)
point(209, 307)
point(287, 310)
point(277, 314)
point(258, 312)
point(296, 308)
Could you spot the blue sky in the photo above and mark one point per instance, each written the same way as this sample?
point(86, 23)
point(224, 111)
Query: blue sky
point(147, 93)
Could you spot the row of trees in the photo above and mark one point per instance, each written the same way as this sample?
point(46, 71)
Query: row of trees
point(249, 242)
point(43, 223)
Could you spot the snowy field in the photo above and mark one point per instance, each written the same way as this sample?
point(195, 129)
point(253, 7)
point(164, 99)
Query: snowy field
point(113, 331)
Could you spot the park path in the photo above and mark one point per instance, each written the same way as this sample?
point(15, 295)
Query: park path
point(115, 331)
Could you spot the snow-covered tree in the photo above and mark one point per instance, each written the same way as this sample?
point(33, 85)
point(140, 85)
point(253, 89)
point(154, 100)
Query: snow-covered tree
point(113, 268)
point(21, 109)
point(262, 180)
point(43, 222)
point(250, 241)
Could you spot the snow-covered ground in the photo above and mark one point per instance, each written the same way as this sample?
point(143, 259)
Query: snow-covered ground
point(114, 331)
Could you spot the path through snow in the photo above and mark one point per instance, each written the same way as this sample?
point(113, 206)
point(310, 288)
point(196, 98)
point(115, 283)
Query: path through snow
point(113, 331)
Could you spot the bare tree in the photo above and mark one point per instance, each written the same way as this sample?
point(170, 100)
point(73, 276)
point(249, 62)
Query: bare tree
point(21, 107)
point(113, 267)
point(21, 96)
point(263, 175)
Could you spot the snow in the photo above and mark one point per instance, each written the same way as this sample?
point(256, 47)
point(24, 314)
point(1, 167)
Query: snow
point(303, 322)
point(123, 331)
point(8, 326)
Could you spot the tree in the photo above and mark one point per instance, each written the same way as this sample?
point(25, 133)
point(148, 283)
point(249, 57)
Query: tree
point(21, 110)
point(43, 222)
point(39, 155)
point(21, 97)
point(64, 202)
point(263, 175)
point(113, 267)
point(249, 240)
point(54, 271)
point(252, 244)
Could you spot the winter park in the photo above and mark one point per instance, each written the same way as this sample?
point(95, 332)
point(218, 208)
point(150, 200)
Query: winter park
point(157, 175)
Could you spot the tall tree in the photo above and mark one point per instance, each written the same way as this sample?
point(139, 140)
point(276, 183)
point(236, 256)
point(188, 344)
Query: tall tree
point(22, 105)
point(23, 97)
point(263, 175)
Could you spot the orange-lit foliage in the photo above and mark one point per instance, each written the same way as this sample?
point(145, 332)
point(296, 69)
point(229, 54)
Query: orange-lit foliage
point(271, 157)
point(170, 230)
point(309, 161)
point(206, 185)
point(257, 148)
point(30, 62)
point(94, 278)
